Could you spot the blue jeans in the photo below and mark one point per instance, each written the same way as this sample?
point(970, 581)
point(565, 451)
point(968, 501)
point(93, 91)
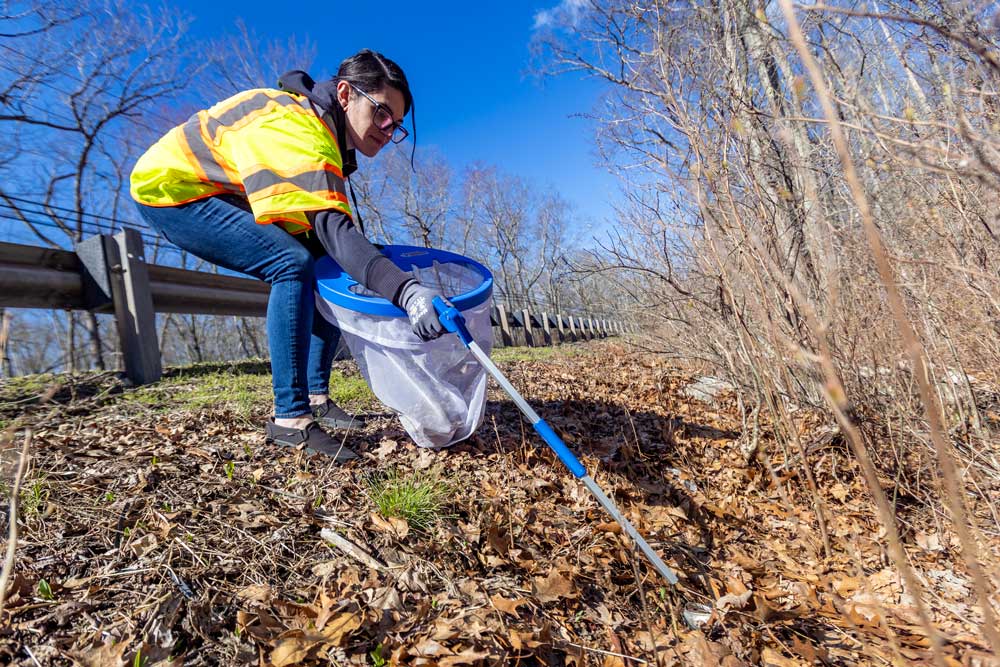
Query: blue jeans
point(302, 343)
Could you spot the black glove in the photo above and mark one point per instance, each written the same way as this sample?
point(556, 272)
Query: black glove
point(418, 302)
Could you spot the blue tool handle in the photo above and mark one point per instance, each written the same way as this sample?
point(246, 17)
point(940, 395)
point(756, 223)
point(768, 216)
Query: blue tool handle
point(560, 448)
point(453, 320)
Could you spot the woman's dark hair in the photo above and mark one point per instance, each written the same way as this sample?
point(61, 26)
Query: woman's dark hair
point(371, 71)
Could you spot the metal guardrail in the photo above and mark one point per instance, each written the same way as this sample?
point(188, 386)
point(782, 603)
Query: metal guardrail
point(32, 277)
point(109, 274)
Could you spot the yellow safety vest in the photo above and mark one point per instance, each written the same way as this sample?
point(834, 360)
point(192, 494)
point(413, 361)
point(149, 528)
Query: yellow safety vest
point(268, 145)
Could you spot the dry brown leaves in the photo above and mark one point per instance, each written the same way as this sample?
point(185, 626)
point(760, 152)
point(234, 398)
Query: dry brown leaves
point(177, 537)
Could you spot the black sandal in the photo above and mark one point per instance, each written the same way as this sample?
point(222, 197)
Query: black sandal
point(331, 416)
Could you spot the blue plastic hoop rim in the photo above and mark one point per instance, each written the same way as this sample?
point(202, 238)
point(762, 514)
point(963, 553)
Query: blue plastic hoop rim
point(334, 284)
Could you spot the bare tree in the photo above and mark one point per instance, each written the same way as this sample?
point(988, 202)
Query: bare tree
point(244, 61)
point(73, 118)
point(745, 240)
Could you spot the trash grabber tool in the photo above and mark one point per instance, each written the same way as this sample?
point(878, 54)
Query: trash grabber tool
point(454, 321)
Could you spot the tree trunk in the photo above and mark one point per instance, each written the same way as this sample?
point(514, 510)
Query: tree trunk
point(193, 339)
point(8, 366)
point(71, 351)
point(96, 346)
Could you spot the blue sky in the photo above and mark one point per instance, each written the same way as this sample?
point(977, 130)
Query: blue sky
point(469, 68)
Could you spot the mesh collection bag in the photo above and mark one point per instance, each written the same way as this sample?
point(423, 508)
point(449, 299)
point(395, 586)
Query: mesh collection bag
point(437, 387)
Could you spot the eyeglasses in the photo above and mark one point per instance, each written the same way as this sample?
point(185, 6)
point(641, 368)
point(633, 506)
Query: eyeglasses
point(382, 119)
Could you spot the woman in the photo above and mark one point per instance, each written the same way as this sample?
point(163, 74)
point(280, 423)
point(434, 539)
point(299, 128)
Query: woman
point(256, 184)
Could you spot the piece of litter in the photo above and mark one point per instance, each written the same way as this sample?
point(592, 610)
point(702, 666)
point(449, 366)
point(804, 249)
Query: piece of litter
point(696, 615)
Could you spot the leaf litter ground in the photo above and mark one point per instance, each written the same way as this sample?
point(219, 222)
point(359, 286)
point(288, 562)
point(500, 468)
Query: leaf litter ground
point(158, 529)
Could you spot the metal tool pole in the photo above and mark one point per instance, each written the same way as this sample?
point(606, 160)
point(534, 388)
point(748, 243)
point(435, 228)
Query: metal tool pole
point(455, 323)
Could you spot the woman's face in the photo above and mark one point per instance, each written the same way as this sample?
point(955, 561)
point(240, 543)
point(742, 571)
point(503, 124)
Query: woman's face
point(365, 135)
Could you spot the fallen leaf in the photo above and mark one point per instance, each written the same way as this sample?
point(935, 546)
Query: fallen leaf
point(808, 651)
point(341, 625)
point(385, 448)
point(143, 545)
point(292, 650)
point(326, 568)
point(730, 601)
point(699, 650)
point(431, 649)
point(466, 657)
point(771, 658)
point(610, 527)
point(425, 459)
point(255, 593)
point(552, 587)
point(497, 538)
point(391, 524)
point(505, 605)
point(846, 586)
point(104, 655)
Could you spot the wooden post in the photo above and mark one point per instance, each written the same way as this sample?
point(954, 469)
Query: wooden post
point(505, 336)
point(559, 326)
point(546, 328)
point(529, 337)
point(133, 304)
point(590, 328)
point(495, 326)
point(572, 328)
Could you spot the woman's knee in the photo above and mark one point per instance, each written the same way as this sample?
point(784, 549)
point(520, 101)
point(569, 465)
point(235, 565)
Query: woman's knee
point(293, 264)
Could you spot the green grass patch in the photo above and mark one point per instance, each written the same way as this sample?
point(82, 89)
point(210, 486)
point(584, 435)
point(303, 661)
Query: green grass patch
point(243, 393)
point(32, 497)
point(35, 497)
point(349, 389)
point(243, 387)
point(532, 353)
point(22, 386)
point(420, 498)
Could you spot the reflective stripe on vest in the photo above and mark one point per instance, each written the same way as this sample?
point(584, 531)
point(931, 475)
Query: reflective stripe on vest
point(267, 145)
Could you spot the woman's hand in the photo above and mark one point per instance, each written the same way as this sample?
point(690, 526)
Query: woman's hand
point(418, 302)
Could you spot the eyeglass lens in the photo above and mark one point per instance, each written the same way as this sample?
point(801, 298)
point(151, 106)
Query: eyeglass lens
point(383, 119)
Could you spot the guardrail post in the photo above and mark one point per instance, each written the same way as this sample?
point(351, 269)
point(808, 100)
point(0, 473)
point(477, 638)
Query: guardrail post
point(505, 336)
point(546, 328)
point(529, 337)
point(133, 306)
point(560, 327)
point(572, 329)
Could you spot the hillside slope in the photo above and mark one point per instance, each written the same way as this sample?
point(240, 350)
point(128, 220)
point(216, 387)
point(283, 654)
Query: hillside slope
point(157, 528)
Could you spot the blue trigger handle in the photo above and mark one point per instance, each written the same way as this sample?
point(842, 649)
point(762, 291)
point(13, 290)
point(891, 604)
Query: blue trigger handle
point(453, 320)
